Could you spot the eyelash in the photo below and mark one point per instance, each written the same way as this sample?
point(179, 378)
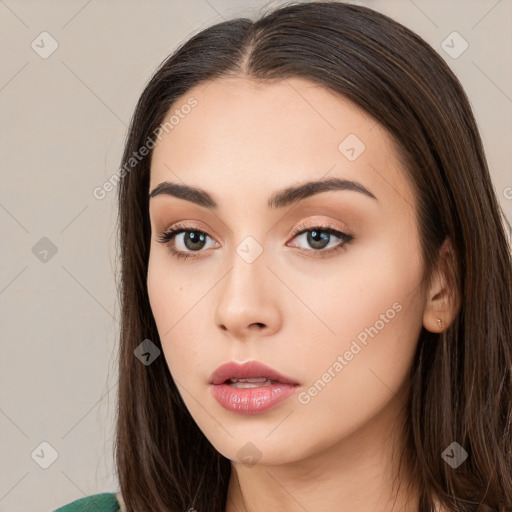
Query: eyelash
point(168, 235)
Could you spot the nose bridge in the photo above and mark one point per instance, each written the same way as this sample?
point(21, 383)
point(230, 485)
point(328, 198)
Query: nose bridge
point(245, 281)
point(246, 297)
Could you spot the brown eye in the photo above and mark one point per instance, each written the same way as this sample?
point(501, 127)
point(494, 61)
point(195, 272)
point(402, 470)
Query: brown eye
point(319, 237)
point(192, 241)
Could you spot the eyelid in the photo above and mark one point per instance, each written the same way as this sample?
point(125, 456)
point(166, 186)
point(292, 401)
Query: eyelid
point(308, 225)
point(300, 228)
point(344, 235)
point(177, 228)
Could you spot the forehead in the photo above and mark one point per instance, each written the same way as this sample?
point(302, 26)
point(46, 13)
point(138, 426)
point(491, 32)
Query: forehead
point(264, 136)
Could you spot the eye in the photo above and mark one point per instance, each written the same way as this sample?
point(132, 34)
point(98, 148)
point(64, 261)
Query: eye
point(192, 241)
point(323, 240)
point(187, 241)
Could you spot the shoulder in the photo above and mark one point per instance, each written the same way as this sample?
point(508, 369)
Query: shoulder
point(105, 502)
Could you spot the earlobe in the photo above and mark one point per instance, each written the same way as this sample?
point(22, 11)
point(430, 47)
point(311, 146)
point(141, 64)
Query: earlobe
point(442, 301)
point(432, 324)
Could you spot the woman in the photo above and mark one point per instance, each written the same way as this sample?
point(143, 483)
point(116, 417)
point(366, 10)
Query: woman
point(315, 278)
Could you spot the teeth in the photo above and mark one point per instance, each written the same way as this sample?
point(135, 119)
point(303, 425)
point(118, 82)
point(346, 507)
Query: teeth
point(250, 383)
point(257, 379)
point(244, 385)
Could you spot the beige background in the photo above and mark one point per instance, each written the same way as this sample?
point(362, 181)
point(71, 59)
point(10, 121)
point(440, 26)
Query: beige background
point(64, 119)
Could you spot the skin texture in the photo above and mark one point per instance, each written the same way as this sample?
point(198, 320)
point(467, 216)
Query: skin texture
point(289, 309)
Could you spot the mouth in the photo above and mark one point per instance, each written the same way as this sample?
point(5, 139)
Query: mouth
point(250, 374)
point(250, 388)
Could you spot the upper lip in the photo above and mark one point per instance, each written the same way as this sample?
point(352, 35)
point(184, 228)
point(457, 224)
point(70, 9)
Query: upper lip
point(249, 370)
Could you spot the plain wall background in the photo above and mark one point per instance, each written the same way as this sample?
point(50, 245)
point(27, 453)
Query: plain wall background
point(64, 119)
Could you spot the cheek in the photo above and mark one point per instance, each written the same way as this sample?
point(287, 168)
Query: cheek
point(177, 299)
point(373, 286)
point(374, 307)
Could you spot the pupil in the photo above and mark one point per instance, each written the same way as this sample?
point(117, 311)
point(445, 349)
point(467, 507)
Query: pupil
point(318, 239)
point(194, 237)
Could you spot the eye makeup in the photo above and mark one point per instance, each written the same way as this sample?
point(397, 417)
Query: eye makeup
point(317, 234)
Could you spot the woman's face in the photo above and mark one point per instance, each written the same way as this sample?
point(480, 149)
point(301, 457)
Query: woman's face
point(323, 287)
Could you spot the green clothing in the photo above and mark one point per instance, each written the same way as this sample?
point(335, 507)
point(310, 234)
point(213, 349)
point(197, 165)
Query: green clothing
point(105, 502)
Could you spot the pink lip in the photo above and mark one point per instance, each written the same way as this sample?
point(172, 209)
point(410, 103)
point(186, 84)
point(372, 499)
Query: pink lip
point(250, 400)
point(249, 370)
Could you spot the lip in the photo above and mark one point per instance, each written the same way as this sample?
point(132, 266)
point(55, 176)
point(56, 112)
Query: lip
point(249, 370)
point(253, 400)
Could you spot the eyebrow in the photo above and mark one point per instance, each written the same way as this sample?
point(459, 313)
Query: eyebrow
point(279, 199)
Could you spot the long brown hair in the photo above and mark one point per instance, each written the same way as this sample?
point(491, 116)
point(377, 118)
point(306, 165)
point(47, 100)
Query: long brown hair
point(460, 382)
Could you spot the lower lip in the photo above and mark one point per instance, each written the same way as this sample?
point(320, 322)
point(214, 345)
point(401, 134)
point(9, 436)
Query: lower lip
point(251, 400)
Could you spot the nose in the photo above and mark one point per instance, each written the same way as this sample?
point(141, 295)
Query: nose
point(247, 302)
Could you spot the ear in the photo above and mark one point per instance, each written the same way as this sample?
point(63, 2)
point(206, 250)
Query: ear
point(442, 300)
